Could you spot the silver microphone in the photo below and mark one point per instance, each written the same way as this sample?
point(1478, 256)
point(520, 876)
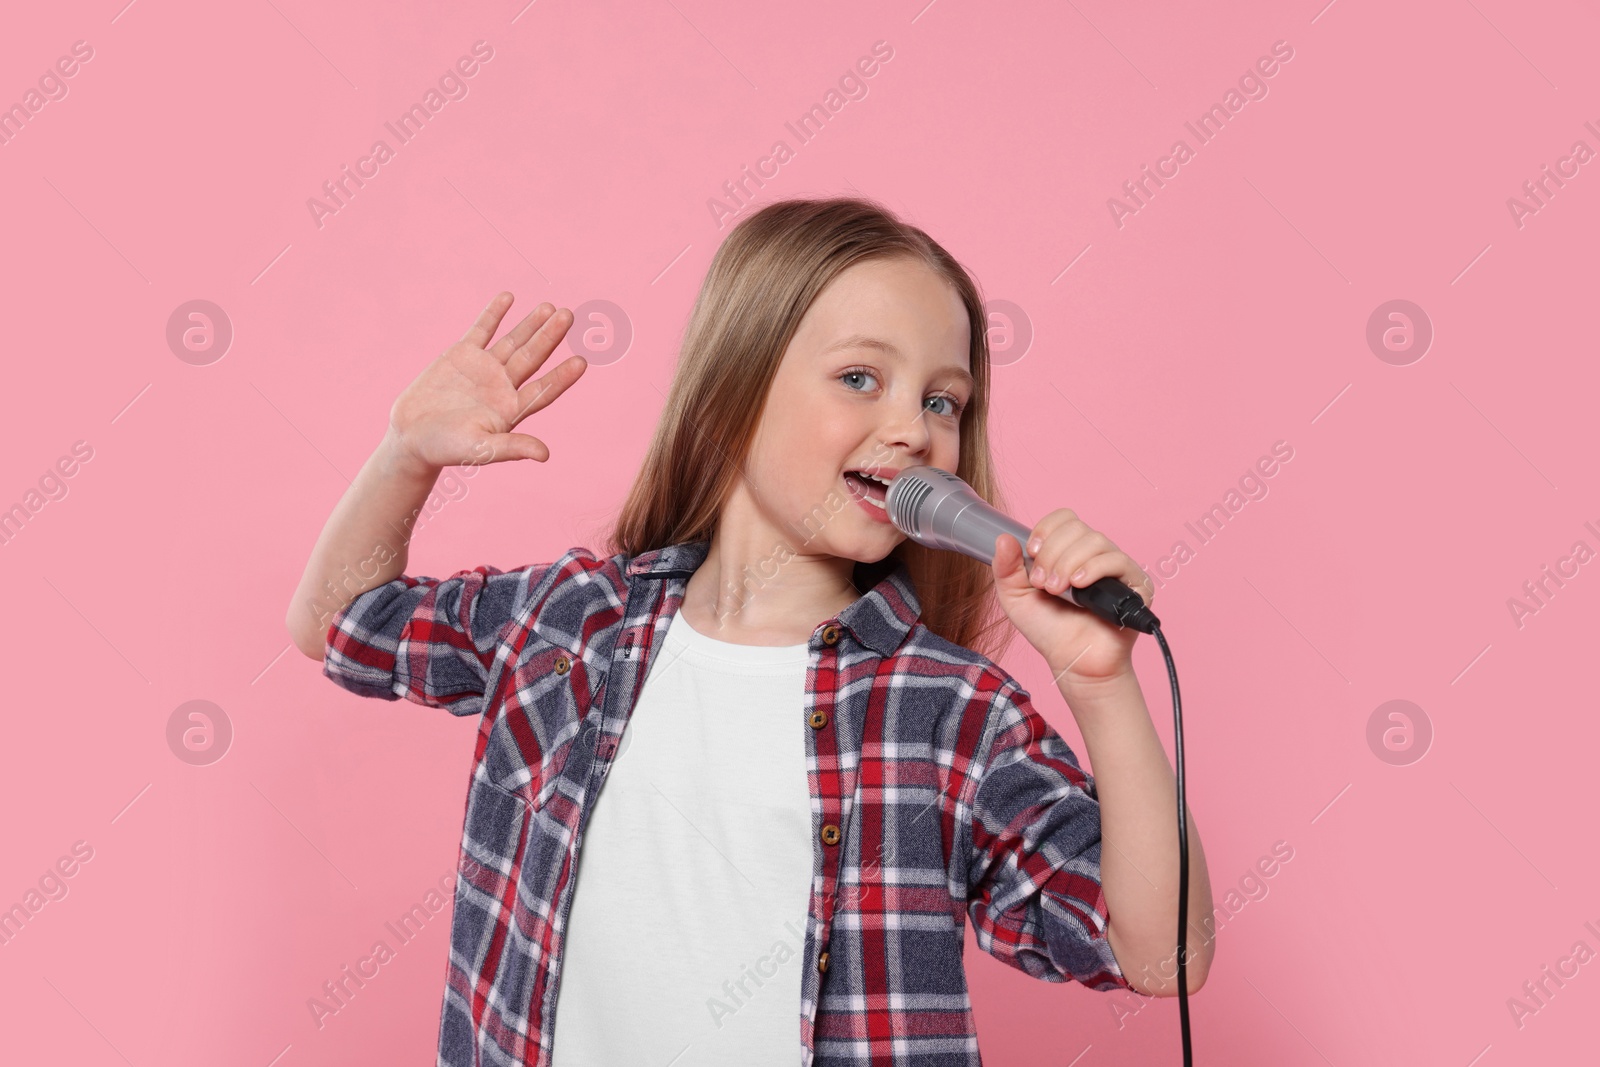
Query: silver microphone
point(935, 508)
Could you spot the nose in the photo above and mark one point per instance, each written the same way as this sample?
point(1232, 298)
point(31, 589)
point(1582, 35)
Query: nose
point(908, 432)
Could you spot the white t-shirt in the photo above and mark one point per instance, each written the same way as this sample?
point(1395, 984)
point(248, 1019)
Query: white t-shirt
point(688, 917)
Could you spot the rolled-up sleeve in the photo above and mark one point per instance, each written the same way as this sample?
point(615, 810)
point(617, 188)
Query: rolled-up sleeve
point(1034, 890)
point(430, 640)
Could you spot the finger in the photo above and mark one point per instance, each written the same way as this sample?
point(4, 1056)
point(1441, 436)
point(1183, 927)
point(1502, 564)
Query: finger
point(1057, 534)
point(542, 392)
point(1064, 552)
point(1112, 564)
point(1049, 524)
point(1007, 563)
point(478, 333)
point(530, 356)
point(1007, 553)
point(519, 335)
point(509, 446)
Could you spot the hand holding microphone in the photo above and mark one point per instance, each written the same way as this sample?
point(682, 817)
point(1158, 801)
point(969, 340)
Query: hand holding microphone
point(935, 508)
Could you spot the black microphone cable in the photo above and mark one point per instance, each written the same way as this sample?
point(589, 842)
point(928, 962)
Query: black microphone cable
point(1183, 849)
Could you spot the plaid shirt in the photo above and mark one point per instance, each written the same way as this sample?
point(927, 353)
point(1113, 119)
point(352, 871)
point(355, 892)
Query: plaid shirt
point(937, 792)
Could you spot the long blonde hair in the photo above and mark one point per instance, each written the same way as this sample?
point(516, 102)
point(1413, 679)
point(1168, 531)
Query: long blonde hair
point(763, 278)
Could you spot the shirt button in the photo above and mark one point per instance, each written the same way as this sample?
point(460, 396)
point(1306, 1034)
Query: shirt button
point(822, 961)
point(562, 663)
point(819, 719)
point(830, 634)
point(830, 834)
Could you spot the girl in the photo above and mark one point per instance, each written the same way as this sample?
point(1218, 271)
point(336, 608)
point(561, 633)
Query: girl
point(654, 865)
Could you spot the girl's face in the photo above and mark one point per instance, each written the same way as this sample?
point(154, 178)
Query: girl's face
point(875, 380)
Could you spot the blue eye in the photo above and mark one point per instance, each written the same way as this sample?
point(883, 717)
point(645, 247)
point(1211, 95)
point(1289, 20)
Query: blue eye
point(855, 374)
point(955, 406)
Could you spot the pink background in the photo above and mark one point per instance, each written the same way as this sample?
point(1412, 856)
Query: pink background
point(1227, 314)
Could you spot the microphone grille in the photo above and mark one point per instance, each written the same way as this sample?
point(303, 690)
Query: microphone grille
point(905, 499)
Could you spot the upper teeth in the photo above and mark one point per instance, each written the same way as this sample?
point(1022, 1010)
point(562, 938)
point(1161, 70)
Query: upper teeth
point(874, 477)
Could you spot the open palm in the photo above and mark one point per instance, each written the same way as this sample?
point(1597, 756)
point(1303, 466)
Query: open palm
point(463, 407)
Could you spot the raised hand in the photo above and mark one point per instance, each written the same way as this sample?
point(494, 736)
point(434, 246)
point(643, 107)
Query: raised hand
point(462, 408)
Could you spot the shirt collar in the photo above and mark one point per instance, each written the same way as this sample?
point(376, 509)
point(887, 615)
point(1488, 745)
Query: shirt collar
point(880, 618)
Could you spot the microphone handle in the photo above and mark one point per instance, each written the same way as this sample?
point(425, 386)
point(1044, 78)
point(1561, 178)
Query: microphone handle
point(1107, 597)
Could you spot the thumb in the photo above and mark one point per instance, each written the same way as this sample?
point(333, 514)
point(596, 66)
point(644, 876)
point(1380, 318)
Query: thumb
point(506, 446)
point(1009, 573)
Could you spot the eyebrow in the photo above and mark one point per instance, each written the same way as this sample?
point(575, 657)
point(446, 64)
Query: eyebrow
point(862, 341)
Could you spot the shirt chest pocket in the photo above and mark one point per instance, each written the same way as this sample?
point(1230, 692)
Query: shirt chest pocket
point(540, 713)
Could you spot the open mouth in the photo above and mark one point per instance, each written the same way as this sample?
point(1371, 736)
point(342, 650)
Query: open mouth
point(869, 487)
